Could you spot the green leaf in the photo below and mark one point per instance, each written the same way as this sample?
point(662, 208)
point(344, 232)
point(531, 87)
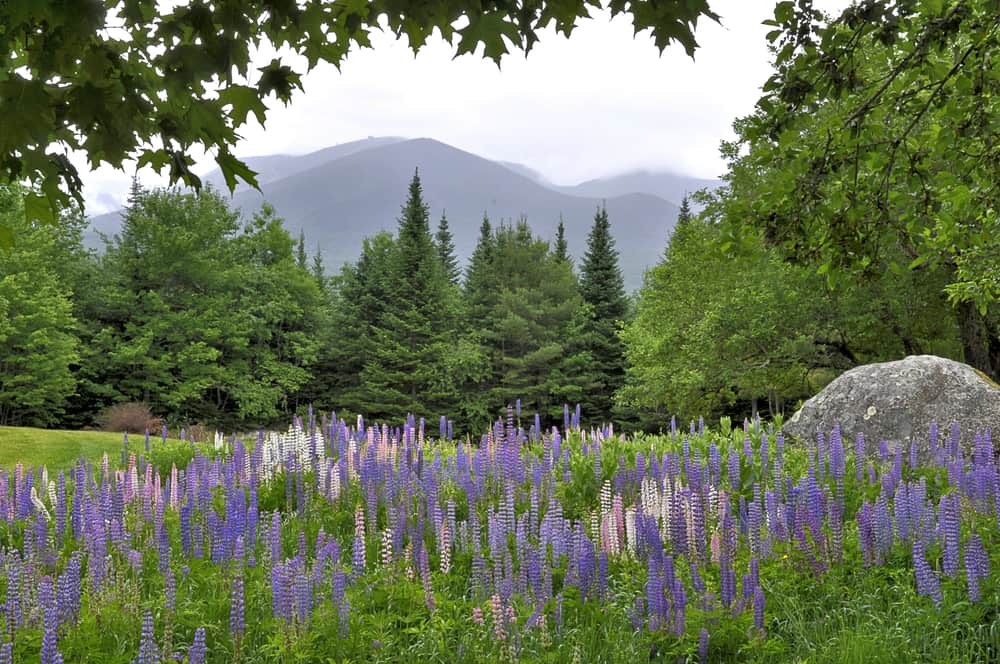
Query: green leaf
point(232, 168)
point(38, 208)
point(243, 100)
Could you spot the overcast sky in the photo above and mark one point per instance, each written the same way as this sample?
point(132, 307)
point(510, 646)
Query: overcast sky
point(599, 103)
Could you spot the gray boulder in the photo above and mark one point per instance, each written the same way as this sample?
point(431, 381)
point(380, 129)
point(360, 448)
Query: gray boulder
point(898, 401)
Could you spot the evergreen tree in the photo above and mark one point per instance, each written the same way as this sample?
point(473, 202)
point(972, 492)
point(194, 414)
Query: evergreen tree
point(525, 299)
point(445, 244)
point(603, 290)
point(561, 250)
point(318, 270)
point(479, 287)
point(38, 342)
point(684, 212)
point(300, 251)
point(402, 376)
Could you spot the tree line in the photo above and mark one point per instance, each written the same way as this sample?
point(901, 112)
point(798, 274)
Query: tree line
point(209, 318)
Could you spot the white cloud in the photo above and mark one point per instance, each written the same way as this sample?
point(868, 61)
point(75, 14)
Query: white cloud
point(600, 102)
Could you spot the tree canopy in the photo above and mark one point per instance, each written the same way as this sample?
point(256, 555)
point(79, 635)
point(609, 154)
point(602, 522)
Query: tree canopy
point(126, 79)
point(874, 149)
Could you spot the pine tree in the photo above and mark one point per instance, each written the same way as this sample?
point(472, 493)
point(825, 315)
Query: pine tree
point(561, 252)
point(603, 290)
point(445, 244)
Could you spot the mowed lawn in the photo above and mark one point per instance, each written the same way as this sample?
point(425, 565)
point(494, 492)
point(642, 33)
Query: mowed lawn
point(58, 449)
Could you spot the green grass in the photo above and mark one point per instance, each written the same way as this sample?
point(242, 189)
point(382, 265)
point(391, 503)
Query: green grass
point(59, 449)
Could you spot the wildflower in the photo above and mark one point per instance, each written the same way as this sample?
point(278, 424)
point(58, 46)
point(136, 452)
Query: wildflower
point(196, 654)
point(147, 644)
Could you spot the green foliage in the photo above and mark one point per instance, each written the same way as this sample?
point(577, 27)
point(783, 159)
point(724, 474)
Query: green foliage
point(200, 317)
point(445, 244)
point(38, 345)
point(412, 332)
point(872, 151)
point(127, 79)
point(603, 290)
point(521, 299)
point(713, 331)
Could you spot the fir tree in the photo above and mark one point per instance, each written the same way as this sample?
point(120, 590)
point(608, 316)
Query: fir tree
point(445, 244)
point(603, 291)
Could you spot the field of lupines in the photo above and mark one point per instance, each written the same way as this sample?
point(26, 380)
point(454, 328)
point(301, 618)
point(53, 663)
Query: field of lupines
point(334, 543)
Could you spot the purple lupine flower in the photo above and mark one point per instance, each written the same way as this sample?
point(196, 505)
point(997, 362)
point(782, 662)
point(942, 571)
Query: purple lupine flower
point(703, 646)
point(274, 534)
point(7, 653)
point(50, 636)
point(763, 457)
point(950, 529)
point(972, 571)
point(734, 468)
point(13, 604)
point(859, 456)
point(975, 562)
point(927, 581)
point(758, 608)
point(170, 590)
point(237, 607)
point(678, 598)
point(836, 450)
point(196, 654)
point(147, 642)
point(882, 527)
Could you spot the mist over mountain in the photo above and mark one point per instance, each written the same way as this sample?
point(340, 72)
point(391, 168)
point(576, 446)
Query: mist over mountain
point(342, 194)
point(668, 186)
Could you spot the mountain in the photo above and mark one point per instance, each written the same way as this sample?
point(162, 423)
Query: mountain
point(270, 168)
point(668, 186)
point(340, 195)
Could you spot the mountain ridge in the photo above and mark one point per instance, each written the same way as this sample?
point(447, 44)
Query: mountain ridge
point(341, 194)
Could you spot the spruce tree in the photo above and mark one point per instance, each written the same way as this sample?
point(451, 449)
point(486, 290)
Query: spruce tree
point(479, 288)
point(402, 375)
point(300, 251)
point(603, 290)
point(561, 251)
point(684, 213)
point(318, 270)
point(445, 244)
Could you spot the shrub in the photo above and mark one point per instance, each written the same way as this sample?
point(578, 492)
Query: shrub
point(132, 416)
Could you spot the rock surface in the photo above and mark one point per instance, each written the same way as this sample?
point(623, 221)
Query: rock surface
point(898, 401)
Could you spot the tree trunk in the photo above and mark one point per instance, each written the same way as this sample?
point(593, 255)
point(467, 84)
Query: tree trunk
point(972, 330)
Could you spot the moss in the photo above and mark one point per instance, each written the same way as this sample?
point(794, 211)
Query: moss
point(989, 381)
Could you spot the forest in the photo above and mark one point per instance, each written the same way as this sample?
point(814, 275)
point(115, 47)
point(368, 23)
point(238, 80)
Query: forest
point(232, 323)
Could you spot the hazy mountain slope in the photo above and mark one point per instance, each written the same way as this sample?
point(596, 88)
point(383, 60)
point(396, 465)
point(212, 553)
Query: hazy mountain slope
point(277, 166)
point(341, 202)
point(340, 195)
point(668, 186)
